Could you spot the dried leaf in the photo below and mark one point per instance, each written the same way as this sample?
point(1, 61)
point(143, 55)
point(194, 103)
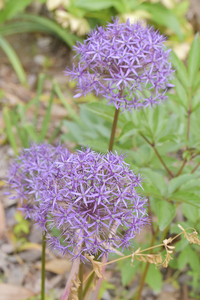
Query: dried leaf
point(57, 266)
point(191, 237)
point(96, 266)
point(13, 292)
point(74, 289)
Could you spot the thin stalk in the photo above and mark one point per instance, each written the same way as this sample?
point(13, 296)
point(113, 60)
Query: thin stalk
point(80, 289)
point(181, 168)
point(43, 267)
point(158, 155)
point(189, 114)
point(89, 281)
point(195, 168)
point(114, 126)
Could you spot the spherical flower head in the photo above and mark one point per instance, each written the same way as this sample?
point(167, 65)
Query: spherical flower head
point(29, 174)
point(126, 63)
point(99, 207)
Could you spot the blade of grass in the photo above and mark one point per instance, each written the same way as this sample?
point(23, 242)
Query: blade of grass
point(14, 60)
point(55, 133)
point(31, 132)
point(22, 27)
point(21, 132)
point(68, 107)
point(39, 92)
point(47, 116)
point(10, 134)
point(67, 37)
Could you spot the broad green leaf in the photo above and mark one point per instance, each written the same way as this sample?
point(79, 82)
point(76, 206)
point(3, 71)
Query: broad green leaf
point(154, 278)
point(183, 258)
point(176, 182)
point(95, 5)
point(166, 213)
point(193, 259)
point(181, 92)
point(128, 271)
point(196, 100)
point(106, 112)
point(180, 69)
point(186, 197)
point(190, 212)
point(11, 8)
point(155, 178)
point(163, 16)
point(196, 83)
point(14, 60)
point(127, 131)
point(150, 191)
point(194, 59)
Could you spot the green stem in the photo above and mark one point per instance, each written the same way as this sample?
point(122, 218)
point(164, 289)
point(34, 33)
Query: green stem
point(80, 290)
point(114, 126)
point(43, 267)
point(89, 281)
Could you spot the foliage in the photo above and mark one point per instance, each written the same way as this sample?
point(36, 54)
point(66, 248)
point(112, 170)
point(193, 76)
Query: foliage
point(163, 145)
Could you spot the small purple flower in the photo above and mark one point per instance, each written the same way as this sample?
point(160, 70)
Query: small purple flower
point(30, 173)
point(99, 207)
point(126, 63)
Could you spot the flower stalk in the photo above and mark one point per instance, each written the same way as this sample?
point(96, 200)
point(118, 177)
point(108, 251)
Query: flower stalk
point(43, 267)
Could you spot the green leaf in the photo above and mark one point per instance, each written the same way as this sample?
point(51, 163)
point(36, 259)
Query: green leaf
point(14, 60)
point(176, 182)
point(181, 92)
point(52, 26)
point(11, 8)
point(186, 197)
point(190, 212)
point(154, 278)
point(31, 132)
point(8, 125)
point(183, 258)
point(106, 112)
point(193, 259)
point(194, 59)
point(196, 100)
point(163, 16)
point(180, 69)
point(128, 272)
point(64, 101)
point(127, 131)
point(166, 213)
point(21, 27)
point(92, 5)
point(46, 120)
point(155, 178)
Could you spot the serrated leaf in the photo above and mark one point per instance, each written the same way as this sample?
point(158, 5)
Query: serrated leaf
point(166, 213)
point(154, 278)
point(194, 59)
point(178, 181)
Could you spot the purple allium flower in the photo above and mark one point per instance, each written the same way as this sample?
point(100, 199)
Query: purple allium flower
point(30, 174)
point(98, 206)
point(126, 63)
